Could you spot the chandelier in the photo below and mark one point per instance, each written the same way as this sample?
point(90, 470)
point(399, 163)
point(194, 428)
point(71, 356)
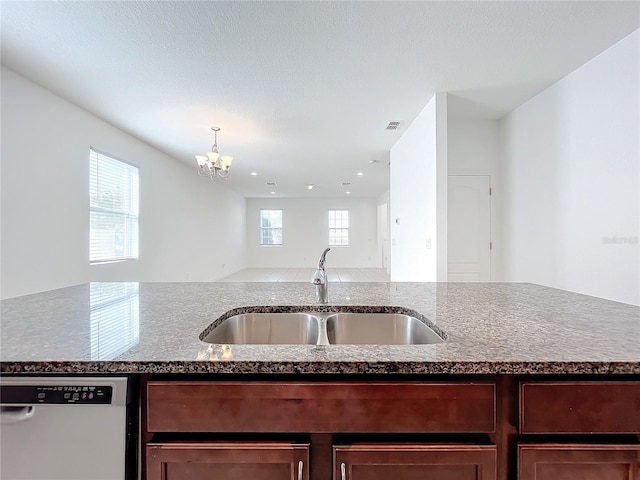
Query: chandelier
point(213, 164)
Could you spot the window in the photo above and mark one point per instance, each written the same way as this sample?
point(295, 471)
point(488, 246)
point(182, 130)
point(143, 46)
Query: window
point(270, 227)
point(339, 228)
point(113, 193)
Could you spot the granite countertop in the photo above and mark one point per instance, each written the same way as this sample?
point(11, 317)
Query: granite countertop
point(492, 328)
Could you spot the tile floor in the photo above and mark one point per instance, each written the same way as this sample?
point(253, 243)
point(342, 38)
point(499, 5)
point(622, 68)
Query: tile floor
point(305, 274)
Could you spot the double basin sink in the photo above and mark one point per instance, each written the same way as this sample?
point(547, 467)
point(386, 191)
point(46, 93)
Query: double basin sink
point(322, 328)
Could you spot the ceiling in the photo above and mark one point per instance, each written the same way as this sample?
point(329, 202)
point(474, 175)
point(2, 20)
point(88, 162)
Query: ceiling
point(302, 91)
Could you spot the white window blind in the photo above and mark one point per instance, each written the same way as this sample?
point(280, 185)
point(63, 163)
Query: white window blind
point(115, 319)
point(114, 205)
point(339, 228)
point(270, 227)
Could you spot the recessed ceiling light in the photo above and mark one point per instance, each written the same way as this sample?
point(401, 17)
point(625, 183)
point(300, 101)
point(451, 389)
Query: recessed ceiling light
point(309, 186)
point(359, 174)
point(348, 193)
point(253, 174)
point(273, 193)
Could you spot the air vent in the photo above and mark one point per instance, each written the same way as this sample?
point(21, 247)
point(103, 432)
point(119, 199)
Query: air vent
point(393, 125)
point(346, 184)
point(271, 184)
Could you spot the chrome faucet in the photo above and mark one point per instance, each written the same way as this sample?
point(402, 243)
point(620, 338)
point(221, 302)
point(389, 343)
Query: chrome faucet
point(320, 280)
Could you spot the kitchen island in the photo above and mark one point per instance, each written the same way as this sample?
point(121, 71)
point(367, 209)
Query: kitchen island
point(492, 328)
point(531, 383)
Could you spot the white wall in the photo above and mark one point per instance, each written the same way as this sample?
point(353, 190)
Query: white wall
point(474, 146)
point(305, 236)
point(571, 179)
point(474, 149)
point(45, 201)
point(418, 181)
point(442, 167)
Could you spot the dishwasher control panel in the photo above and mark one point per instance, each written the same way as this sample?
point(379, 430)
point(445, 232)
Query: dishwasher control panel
point(55, 395)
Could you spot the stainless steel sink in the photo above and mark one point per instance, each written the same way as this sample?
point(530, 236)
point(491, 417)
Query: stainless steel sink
point(322, 328)
point(378, 329)
point(266, 328)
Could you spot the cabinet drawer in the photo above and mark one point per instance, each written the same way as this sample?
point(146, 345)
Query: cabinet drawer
point(580, 407)
point(320, 407)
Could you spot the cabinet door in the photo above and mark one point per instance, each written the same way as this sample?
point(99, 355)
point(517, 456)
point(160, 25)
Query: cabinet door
point(235, 460)
point(578, 462)
point(414, 462)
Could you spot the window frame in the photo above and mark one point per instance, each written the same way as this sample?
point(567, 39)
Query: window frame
point(128, 217)
point(331, 229)
point(264, 229)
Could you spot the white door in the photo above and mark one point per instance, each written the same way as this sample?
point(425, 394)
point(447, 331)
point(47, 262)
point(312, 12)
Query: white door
point(469, 228)
point(383, 235)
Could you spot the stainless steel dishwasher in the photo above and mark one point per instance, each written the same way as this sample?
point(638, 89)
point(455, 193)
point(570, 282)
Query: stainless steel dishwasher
point(67, 428)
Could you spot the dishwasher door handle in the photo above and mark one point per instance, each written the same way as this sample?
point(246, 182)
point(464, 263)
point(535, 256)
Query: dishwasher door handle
point(10, 415)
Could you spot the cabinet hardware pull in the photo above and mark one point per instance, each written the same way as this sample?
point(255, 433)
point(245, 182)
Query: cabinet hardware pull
point(343, 471)
point(300, 470)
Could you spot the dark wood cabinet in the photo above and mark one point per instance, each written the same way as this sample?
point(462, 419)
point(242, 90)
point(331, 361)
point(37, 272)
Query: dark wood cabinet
point(234, 460)
point(414, 462)
point(501, 427)
point(557, 461)
point(323, 412)
point(580, 408)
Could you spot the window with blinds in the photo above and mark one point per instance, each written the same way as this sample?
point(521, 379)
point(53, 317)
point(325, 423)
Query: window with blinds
point(339, 228)
point(114, 319)
point(270, 227)
point(114, 204)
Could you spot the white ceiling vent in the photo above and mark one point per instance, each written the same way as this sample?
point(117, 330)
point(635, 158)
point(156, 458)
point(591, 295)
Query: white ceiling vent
point(393, 125)
point(271, 184)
